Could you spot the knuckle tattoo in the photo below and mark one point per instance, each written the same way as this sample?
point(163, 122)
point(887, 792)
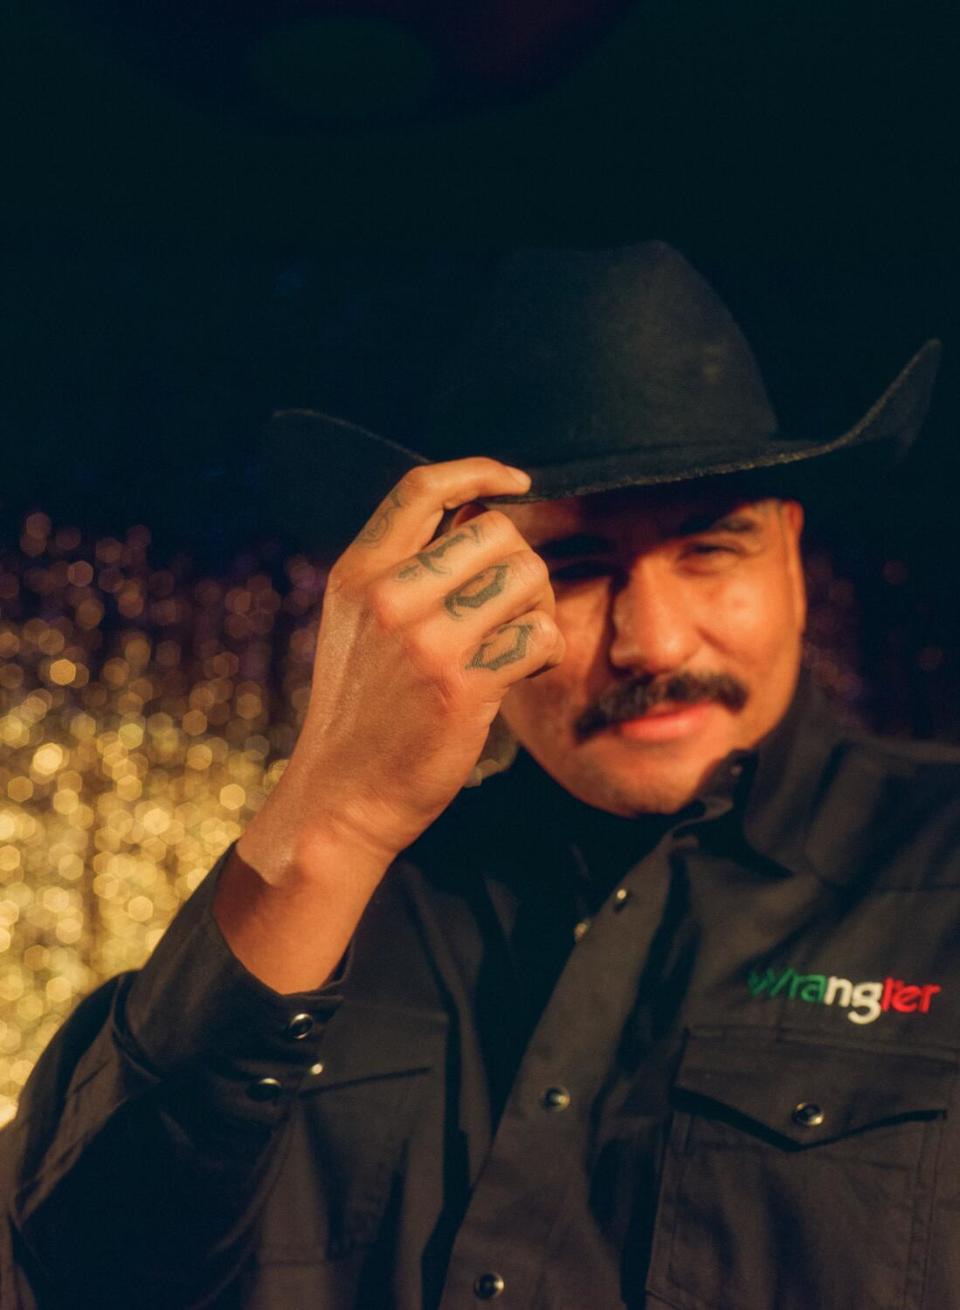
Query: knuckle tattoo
point(508, 645)
point(476, 591)
point(379, 524)
point(429, 560)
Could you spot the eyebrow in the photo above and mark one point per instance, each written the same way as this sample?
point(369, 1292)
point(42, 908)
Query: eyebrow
point(586, 543)
point(697, 523)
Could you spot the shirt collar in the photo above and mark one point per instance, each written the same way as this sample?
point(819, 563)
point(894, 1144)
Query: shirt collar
point(776, 794)
point(785, 779)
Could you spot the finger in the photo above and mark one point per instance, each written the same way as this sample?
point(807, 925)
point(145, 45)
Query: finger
point(449, 632)
point(408, 516)
point(455, 555)
point(460, 586)
point(499, 591)
point(528, 644)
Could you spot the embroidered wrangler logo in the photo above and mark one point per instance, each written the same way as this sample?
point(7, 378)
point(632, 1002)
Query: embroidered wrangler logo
point(863, 1001)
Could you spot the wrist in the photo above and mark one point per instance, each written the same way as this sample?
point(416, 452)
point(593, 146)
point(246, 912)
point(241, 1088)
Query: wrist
point(315, 851)
point(316, 820)
point(292, 934)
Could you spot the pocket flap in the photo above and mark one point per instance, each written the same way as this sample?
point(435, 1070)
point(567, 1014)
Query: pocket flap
point(810, 1092)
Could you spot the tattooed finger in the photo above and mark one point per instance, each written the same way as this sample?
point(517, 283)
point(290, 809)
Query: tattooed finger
point(379, 525)
point(507, 645)
point(476, 591)
point(429, 559)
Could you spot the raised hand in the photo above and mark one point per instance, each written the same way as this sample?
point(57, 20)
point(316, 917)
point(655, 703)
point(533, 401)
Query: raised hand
point(420, 639)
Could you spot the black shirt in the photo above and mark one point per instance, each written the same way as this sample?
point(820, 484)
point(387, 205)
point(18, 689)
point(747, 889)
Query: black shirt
point(576, 1061)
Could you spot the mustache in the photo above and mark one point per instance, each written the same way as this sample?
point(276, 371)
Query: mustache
point(632, 699)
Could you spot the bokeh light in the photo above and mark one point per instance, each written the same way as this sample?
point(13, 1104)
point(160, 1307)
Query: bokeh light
point(144, 715)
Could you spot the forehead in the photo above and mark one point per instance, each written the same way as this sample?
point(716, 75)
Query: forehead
point(653, 512)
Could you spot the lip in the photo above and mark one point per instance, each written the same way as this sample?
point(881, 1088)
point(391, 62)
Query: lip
point(665, 723)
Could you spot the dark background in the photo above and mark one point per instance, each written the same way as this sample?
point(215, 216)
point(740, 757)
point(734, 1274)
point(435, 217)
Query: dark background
point(211, 210)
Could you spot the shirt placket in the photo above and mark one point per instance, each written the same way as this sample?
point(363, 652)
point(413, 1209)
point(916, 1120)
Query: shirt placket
point(542, 1135)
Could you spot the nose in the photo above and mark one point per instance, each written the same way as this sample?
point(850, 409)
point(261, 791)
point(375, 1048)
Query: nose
point(654, 629)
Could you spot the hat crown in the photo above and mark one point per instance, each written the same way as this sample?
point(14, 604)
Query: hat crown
point(577, 353)
point(594, 371)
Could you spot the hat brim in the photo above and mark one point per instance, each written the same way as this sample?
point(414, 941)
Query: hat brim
point(324, 474)
point(877, 442)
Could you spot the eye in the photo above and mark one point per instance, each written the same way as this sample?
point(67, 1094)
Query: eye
point(708, 556)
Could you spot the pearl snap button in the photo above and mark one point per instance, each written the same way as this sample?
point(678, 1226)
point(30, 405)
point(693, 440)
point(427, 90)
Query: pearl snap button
point(488, 1286)
point(300, 1026)
point(808, 1115)
point(555, 1098)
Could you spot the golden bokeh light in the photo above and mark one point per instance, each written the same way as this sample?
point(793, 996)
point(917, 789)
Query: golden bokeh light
point(145, 713)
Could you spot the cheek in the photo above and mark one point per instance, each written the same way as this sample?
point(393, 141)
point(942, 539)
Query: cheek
point(585, 620)
point(751, 622)
point(744, 614)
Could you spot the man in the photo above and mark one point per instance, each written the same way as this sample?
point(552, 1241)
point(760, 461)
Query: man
point(663, 1015)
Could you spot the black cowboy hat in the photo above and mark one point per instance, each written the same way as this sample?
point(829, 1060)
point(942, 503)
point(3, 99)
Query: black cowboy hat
point(594, 371)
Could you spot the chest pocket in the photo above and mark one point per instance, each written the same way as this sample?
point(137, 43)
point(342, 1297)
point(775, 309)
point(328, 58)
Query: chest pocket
point(347, 1143)
point(798, 1176)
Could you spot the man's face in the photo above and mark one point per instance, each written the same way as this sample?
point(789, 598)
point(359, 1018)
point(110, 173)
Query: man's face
point(683, 613)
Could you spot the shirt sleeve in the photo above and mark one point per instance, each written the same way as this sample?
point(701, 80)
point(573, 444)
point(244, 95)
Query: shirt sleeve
point(152, 1127)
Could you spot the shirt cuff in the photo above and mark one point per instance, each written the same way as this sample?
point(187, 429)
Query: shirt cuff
point(194, 1003)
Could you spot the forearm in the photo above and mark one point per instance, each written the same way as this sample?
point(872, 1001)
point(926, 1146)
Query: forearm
point(293, 891)
point(420, 639)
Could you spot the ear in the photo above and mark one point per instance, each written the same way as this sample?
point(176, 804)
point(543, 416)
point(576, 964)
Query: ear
point(791, 522)
point(791, 515)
